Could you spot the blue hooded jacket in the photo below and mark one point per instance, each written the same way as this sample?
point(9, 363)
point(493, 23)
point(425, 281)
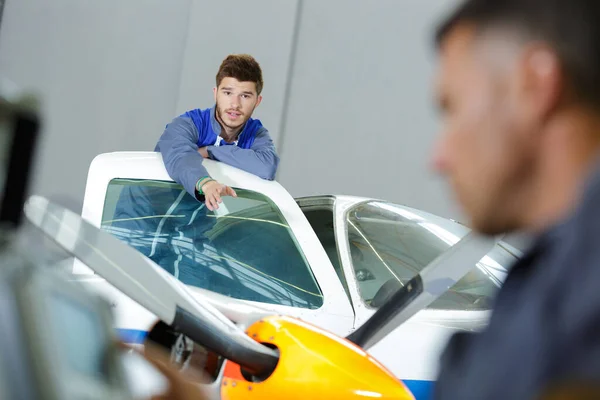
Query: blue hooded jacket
point(254, 150)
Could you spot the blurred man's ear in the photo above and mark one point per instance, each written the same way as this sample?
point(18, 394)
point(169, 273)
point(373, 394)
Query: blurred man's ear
point(542, 81)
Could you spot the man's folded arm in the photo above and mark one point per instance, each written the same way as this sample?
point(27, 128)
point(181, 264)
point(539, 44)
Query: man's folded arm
point(179, 149)
point(261, 159)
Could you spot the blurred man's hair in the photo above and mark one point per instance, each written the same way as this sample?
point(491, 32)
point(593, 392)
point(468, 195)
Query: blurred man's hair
point(570, 27)
point(242, 67)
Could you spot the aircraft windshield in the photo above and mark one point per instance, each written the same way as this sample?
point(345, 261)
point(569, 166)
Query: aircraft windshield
point(391, 244)
point(244, 249)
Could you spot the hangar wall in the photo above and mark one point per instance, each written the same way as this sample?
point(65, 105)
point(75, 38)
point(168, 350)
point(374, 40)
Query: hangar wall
point(347, 93)
point(108, 73)
point(361, 120)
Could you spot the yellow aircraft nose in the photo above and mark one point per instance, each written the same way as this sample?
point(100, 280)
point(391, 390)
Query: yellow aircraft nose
point(313, 364)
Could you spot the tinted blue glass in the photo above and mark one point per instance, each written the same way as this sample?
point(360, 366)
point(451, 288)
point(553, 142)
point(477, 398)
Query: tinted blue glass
point(244, 250)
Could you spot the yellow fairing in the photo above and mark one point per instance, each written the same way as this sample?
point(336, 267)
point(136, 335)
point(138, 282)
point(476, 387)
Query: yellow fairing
point(313, 364)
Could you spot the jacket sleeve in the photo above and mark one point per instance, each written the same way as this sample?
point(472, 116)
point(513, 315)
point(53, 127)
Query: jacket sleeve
point(261, 159)
point(179, 149)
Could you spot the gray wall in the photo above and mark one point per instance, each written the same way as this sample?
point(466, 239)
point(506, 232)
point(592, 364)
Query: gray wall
point(347, 98)
point(360, 104)
point(108, 73)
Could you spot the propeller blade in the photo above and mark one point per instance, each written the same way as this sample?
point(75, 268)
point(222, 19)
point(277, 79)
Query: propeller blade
point(433, 281)
point(152, 287)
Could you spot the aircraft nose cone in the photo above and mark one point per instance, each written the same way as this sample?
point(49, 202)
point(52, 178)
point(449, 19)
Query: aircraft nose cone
point(313, 364)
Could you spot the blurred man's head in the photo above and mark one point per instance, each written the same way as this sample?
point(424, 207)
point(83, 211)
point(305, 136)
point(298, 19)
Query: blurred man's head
point(239, 84)
point(519, 88)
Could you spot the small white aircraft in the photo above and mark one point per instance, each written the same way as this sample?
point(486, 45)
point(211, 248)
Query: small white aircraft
point(332, 261)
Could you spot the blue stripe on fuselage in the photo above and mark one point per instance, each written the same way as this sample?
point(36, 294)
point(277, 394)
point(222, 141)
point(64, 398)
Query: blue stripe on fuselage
point(132, 336)
point(422, 390)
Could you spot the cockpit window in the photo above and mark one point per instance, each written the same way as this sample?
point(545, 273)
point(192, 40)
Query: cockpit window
point(391, 244)
point(244, 250)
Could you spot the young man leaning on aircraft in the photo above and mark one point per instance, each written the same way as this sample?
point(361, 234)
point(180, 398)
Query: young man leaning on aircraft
point(225, 132)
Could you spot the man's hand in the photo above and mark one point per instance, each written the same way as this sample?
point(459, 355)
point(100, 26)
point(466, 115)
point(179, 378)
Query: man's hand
point(203, 152)
point(213, 191)
point(182, 385)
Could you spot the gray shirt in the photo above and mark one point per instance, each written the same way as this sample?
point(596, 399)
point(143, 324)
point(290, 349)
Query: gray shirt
point(545, 326)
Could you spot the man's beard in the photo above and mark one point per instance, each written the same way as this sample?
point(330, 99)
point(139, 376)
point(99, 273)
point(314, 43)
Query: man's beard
point(221, 112)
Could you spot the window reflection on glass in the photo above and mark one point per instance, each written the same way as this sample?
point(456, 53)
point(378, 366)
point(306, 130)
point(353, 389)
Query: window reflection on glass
point(390, 245)
point(244, 249)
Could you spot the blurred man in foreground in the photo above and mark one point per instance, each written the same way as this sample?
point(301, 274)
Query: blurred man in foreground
point(519, 89)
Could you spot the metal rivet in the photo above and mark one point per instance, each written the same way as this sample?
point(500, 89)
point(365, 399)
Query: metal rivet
point(234, 384)
point(272, 337)
point(254, 335)
point(224, 383)
point(249, 387)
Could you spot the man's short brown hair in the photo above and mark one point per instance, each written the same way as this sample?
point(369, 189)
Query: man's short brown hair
point(570, 27)
point(242, 67)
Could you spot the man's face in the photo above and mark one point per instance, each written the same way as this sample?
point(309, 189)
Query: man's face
point(486, 146)
point(235, 102)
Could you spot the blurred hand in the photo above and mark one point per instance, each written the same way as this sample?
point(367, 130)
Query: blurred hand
point(213, 191)
point(203, 152)
point(182, 385)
